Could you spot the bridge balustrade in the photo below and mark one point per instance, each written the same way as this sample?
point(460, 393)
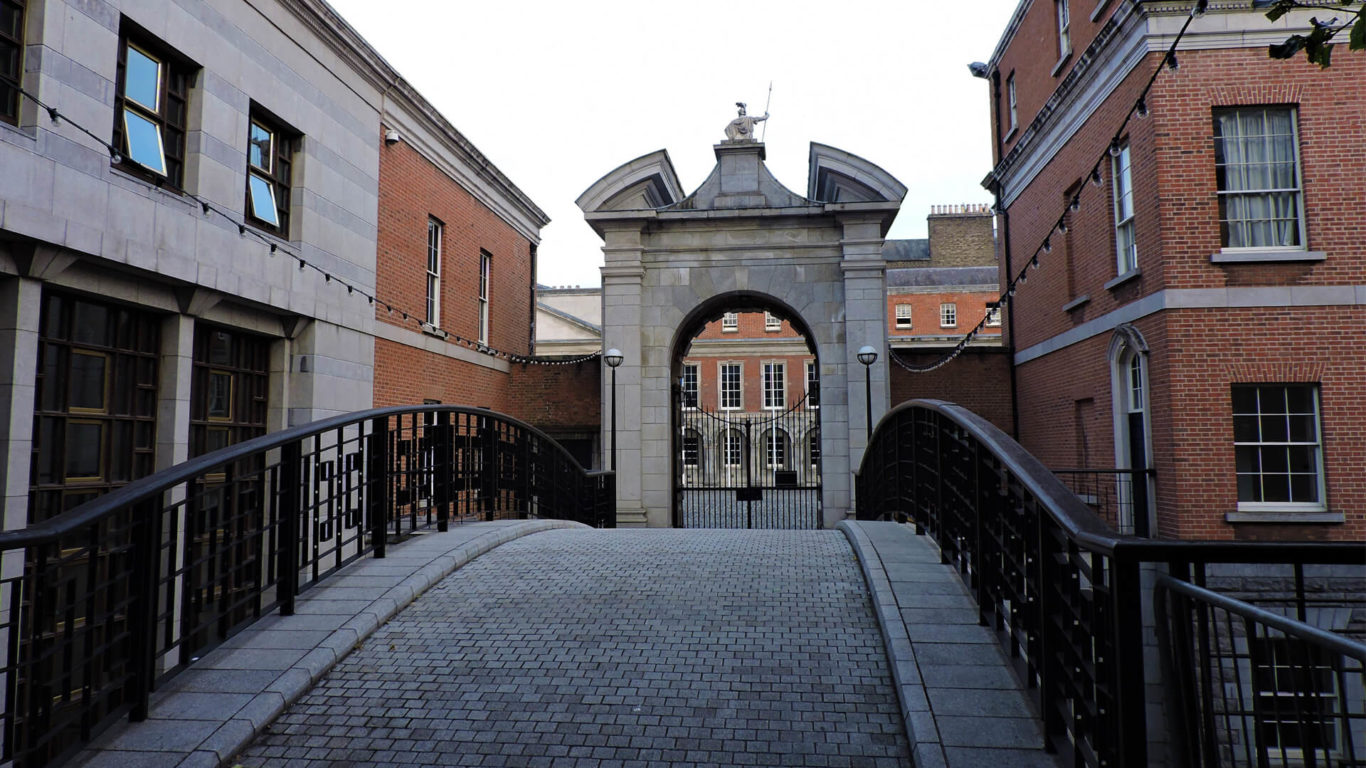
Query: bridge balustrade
point(1070, 599)
point(105, 601)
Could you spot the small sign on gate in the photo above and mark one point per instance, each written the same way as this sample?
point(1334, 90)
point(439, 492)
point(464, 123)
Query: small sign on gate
point(749, 494)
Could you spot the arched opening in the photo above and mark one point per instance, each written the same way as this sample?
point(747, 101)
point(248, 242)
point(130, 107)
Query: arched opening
point(1128, 357)
point(746, 392)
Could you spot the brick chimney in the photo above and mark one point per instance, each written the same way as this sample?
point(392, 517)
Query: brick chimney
point(962, 235)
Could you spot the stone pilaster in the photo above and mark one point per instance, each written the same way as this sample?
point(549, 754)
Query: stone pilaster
point(865, 291)
point(20, 310)
point(622, 277)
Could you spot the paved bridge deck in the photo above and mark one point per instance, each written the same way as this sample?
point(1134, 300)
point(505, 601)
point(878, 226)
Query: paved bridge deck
point(589, 648)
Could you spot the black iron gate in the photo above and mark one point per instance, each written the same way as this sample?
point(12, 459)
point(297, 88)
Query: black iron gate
point(746, 469)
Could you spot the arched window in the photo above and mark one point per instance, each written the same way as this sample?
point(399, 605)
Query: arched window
point(776, 449)
point(1133, 452)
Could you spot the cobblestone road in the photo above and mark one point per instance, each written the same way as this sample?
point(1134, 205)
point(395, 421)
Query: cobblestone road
point(609, 649)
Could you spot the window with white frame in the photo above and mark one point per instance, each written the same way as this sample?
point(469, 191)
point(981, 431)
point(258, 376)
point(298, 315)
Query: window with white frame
point(1126, 248)
point(1295, 684)
point(730, 386)
point(1010, 95)
point(692, 448)
point(903, 316)
point(1064, 28)
point(993, 314)
point(775, 386)
point(948, 315)
point(434, 234)
point(772, 323)
point(733, 452)
point(688, 383)
point(485, 276)
point(775, 449)
point(1256, 168)
point(813, 384)
point(1277, 446)
point(730, 322)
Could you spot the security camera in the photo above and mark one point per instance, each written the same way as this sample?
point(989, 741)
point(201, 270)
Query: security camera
point(391, 137)
point(978, 69)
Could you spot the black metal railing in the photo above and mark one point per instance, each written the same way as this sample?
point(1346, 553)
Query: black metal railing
point(106, 600)
point(1250, 687)
point(1063, 591)
point(1118, 496)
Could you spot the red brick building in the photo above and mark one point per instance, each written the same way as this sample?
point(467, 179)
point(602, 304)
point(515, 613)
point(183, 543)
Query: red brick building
point(1199, 311)
point(455, 266)
point(939, 289)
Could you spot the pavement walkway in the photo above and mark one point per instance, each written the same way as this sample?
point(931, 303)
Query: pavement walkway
point(963, 705)
point(606, 649)
point(602, 649)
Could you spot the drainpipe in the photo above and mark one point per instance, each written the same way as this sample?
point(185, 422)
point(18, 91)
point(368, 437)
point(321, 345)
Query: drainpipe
point(1010, 317)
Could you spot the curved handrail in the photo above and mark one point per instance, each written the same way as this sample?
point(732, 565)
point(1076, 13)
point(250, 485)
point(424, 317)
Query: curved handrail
point(146, 487)
point(1330, 640)
point(1083, 525)
point(1070, 512)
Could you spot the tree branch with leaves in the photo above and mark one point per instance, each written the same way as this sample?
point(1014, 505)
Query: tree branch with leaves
point(1318, 44)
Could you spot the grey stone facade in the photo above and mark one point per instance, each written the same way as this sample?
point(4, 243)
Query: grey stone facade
point(741, 241)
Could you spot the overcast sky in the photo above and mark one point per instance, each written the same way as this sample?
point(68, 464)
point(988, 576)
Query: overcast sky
point(558, 93)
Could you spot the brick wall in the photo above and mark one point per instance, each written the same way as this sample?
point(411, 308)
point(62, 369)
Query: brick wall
point(1196, 355)
point(925, 316)
point(979, 380)
point(558, 398)
point(407, 376)
point(412, 189)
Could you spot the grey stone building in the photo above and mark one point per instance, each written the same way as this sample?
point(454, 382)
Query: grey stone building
point(188, 223)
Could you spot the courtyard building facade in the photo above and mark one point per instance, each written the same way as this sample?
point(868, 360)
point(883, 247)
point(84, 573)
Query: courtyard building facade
point(1198, 271)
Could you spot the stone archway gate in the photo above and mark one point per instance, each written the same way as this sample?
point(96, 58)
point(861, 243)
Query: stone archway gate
point(672, 262)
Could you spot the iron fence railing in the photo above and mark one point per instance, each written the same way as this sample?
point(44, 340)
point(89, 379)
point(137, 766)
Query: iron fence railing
point(1063, 590)
point(1250, 687)
point(104, 601)
point(1118, 496)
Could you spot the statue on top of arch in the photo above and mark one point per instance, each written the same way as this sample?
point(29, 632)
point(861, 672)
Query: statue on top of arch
point(742, 127)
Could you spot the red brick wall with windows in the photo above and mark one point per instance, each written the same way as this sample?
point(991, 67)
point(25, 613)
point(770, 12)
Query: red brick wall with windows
point(1197, 355)
point(412, 189)
point(972, 308)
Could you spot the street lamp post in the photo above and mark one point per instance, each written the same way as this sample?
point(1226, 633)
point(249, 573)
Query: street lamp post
point(613, 358)
point(867, 355)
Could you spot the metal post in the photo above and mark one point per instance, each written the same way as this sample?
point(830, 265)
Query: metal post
point(614, 418)
point(377, 480)
point(291, 499)
point(868, 402)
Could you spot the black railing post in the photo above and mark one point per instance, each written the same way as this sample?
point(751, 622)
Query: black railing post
point(1130, 721)
point(445, 453)
point(287, 552)
point(146, 534)
point(488, 438)
point(1138, 491)
point(377, 478)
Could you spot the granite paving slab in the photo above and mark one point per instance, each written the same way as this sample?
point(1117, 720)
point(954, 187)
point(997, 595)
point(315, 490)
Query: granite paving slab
point(963, 706)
